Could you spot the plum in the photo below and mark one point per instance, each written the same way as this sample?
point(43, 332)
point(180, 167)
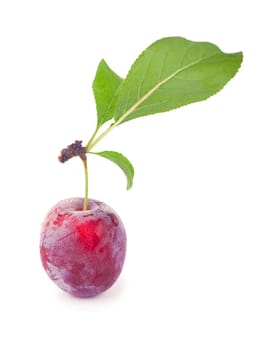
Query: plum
point(83, 251)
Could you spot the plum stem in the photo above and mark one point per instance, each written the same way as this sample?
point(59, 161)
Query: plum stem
point(74, 150)
point(84, 160)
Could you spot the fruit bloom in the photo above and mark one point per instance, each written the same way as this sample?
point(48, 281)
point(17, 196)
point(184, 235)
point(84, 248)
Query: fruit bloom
point(82, 251)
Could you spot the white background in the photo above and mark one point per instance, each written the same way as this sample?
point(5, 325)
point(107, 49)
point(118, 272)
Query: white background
point(189, 276)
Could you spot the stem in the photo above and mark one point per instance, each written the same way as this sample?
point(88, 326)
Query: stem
point(92, 137)
point(93, 142)
point(86, 183)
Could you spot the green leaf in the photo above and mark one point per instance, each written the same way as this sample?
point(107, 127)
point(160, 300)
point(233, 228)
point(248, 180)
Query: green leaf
point(171, 73)
point(122, 162)
point(104, 86)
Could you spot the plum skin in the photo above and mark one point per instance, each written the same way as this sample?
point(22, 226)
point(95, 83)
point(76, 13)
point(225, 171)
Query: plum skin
point(83, 252)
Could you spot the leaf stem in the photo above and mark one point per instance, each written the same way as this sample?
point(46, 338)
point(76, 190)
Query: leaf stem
point(92, 137)
point(93, 142)
point(86, 183)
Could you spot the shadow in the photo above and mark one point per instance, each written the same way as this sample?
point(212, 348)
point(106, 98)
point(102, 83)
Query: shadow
point(113, 293)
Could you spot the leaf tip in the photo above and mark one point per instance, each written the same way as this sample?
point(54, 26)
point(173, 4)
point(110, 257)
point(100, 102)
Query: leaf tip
point(129, 185)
